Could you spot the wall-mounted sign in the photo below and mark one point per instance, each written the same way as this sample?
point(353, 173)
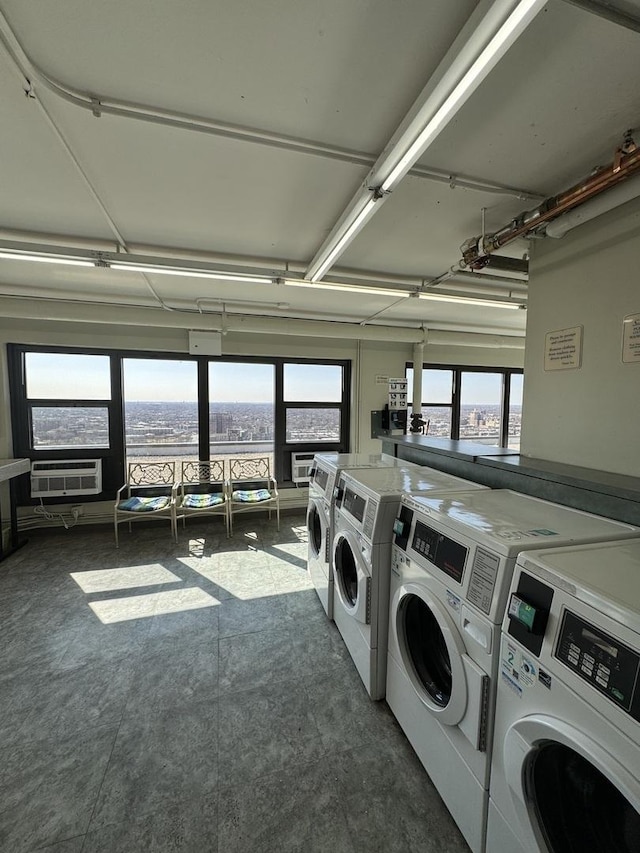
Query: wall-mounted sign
point(563, 349)
point(398, 393)
point(631, 338)
point(381, 379)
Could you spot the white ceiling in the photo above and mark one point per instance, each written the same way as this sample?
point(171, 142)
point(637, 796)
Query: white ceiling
point(340, 73)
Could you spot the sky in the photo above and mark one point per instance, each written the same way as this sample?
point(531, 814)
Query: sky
point(71, 376)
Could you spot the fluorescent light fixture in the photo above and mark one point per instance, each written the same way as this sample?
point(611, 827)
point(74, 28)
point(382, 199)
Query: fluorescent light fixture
point(469, 300)
point(350, 288)
point(325, 259)
point(182, 271)
point(488, 58)
point(45, 259)
point(429, 115)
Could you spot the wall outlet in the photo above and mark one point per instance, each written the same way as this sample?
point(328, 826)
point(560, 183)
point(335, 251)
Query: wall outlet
point(77, 510)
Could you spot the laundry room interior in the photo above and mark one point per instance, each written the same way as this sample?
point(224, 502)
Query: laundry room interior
point(319, 469)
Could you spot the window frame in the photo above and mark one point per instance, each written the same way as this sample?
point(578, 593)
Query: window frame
point(456, 396)
point(113, 456)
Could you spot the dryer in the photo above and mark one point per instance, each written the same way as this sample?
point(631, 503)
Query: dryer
point(324, 471)
point(366, 506)
point(566, 762)
point(452, 563)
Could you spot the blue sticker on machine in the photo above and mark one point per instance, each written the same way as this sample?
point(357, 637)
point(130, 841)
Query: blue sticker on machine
point(511, 683)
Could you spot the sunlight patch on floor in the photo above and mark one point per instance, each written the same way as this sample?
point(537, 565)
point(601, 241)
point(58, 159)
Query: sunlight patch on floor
point(127, 577)
point(153, 604)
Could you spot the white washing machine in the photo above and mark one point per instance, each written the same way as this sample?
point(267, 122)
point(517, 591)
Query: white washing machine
point(366, 506)
point(324, 471)
point(566, 762)
point(452, 563)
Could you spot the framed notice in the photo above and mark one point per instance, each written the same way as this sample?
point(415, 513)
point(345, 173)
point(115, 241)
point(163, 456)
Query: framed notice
point(631, 338)
point(563, 349)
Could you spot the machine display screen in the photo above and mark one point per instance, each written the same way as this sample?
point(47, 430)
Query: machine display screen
point(321, 478)
point(354, 504)
point(447, 555)
point(608, 665)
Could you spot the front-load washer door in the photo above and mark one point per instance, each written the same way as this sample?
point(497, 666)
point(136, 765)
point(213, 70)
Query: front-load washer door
point(352, 577)
point(432, 651)
point(571, 795)
point(317, 529)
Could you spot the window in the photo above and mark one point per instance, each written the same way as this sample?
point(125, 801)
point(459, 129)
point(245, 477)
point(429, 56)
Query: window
point(515, 411)
point(160, 401)
point(241, 409)
point(482, 405)
point(437, 400)
point(306, 387)
point(67, 400)
point(126, 406)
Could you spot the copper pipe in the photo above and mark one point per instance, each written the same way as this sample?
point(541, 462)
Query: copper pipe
point(624, 165)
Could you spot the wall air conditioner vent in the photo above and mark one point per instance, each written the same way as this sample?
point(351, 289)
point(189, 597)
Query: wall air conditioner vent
point(301, 466)
point(66, 477)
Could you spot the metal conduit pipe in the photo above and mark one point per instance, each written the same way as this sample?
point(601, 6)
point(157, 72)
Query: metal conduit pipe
point(469, 282)
point(97, 106)
point(416, 399)
point(74, 312)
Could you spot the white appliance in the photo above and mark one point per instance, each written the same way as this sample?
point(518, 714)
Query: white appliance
point(325, 469)
point(452, 563)
point(366, 506)
point(566, 761)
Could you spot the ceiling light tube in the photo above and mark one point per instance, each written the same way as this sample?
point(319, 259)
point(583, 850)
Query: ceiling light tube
point(469, 300)
point(349, 288)
point(488, 58)
point(45, 259)
point(181, 271)
point(325, 259)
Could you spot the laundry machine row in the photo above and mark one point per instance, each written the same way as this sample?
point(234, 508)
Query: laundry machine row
point(366, 505)
point(452, 562)
point(566, 760)
point(325, 470)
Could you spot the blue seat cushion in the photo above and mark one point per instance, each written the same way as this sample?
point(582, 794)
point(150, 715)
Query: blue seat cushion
point(136, 504)
point(251, 495)
point(202, 501)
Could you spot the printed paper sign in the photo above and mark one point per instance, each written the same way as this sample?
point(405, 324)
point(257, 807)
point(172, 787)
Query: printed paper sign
point(631, 338)
point(563, 349)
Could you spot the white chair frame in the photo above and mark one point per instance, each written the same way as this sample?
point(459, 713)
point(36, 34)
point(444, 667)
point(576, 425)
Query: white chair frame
point(149, 478)
point(252, 473)
point(200, 477)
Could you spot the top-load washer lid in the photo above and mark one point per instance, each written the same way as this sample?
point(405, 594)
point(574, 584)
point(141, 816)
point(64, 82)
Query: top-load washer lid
point(470, 540)
point(370, 498)
point(509, 522)
point(605, 575)
point(326, 467)
point(408, 478)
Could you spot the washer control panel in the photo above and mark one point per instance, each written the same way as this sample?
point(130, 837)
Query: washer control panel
point(603, 661)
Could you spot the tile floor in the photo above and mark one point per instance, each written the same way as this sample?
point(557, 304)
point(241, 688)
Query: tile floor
point(193, 698)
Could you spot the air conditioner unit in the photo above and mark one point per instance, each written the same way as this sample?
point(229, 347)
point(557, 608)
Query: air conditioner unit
point(62, 477)
point(301, 466)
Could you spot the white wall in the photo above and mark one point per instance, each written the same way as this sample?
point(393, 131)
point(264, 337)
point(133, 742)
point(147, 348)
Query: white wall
point(588, 416)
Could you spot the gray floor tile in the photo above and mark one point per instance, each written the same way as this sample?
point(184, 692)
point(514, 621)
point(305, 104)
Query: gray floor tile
point(185, 827)
point(78, 699)
point(266, 730)
point(48, 788)
point(73, 845)
point(175, 677)
point(390, 804)
point(286, 812)
point(159, 758)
